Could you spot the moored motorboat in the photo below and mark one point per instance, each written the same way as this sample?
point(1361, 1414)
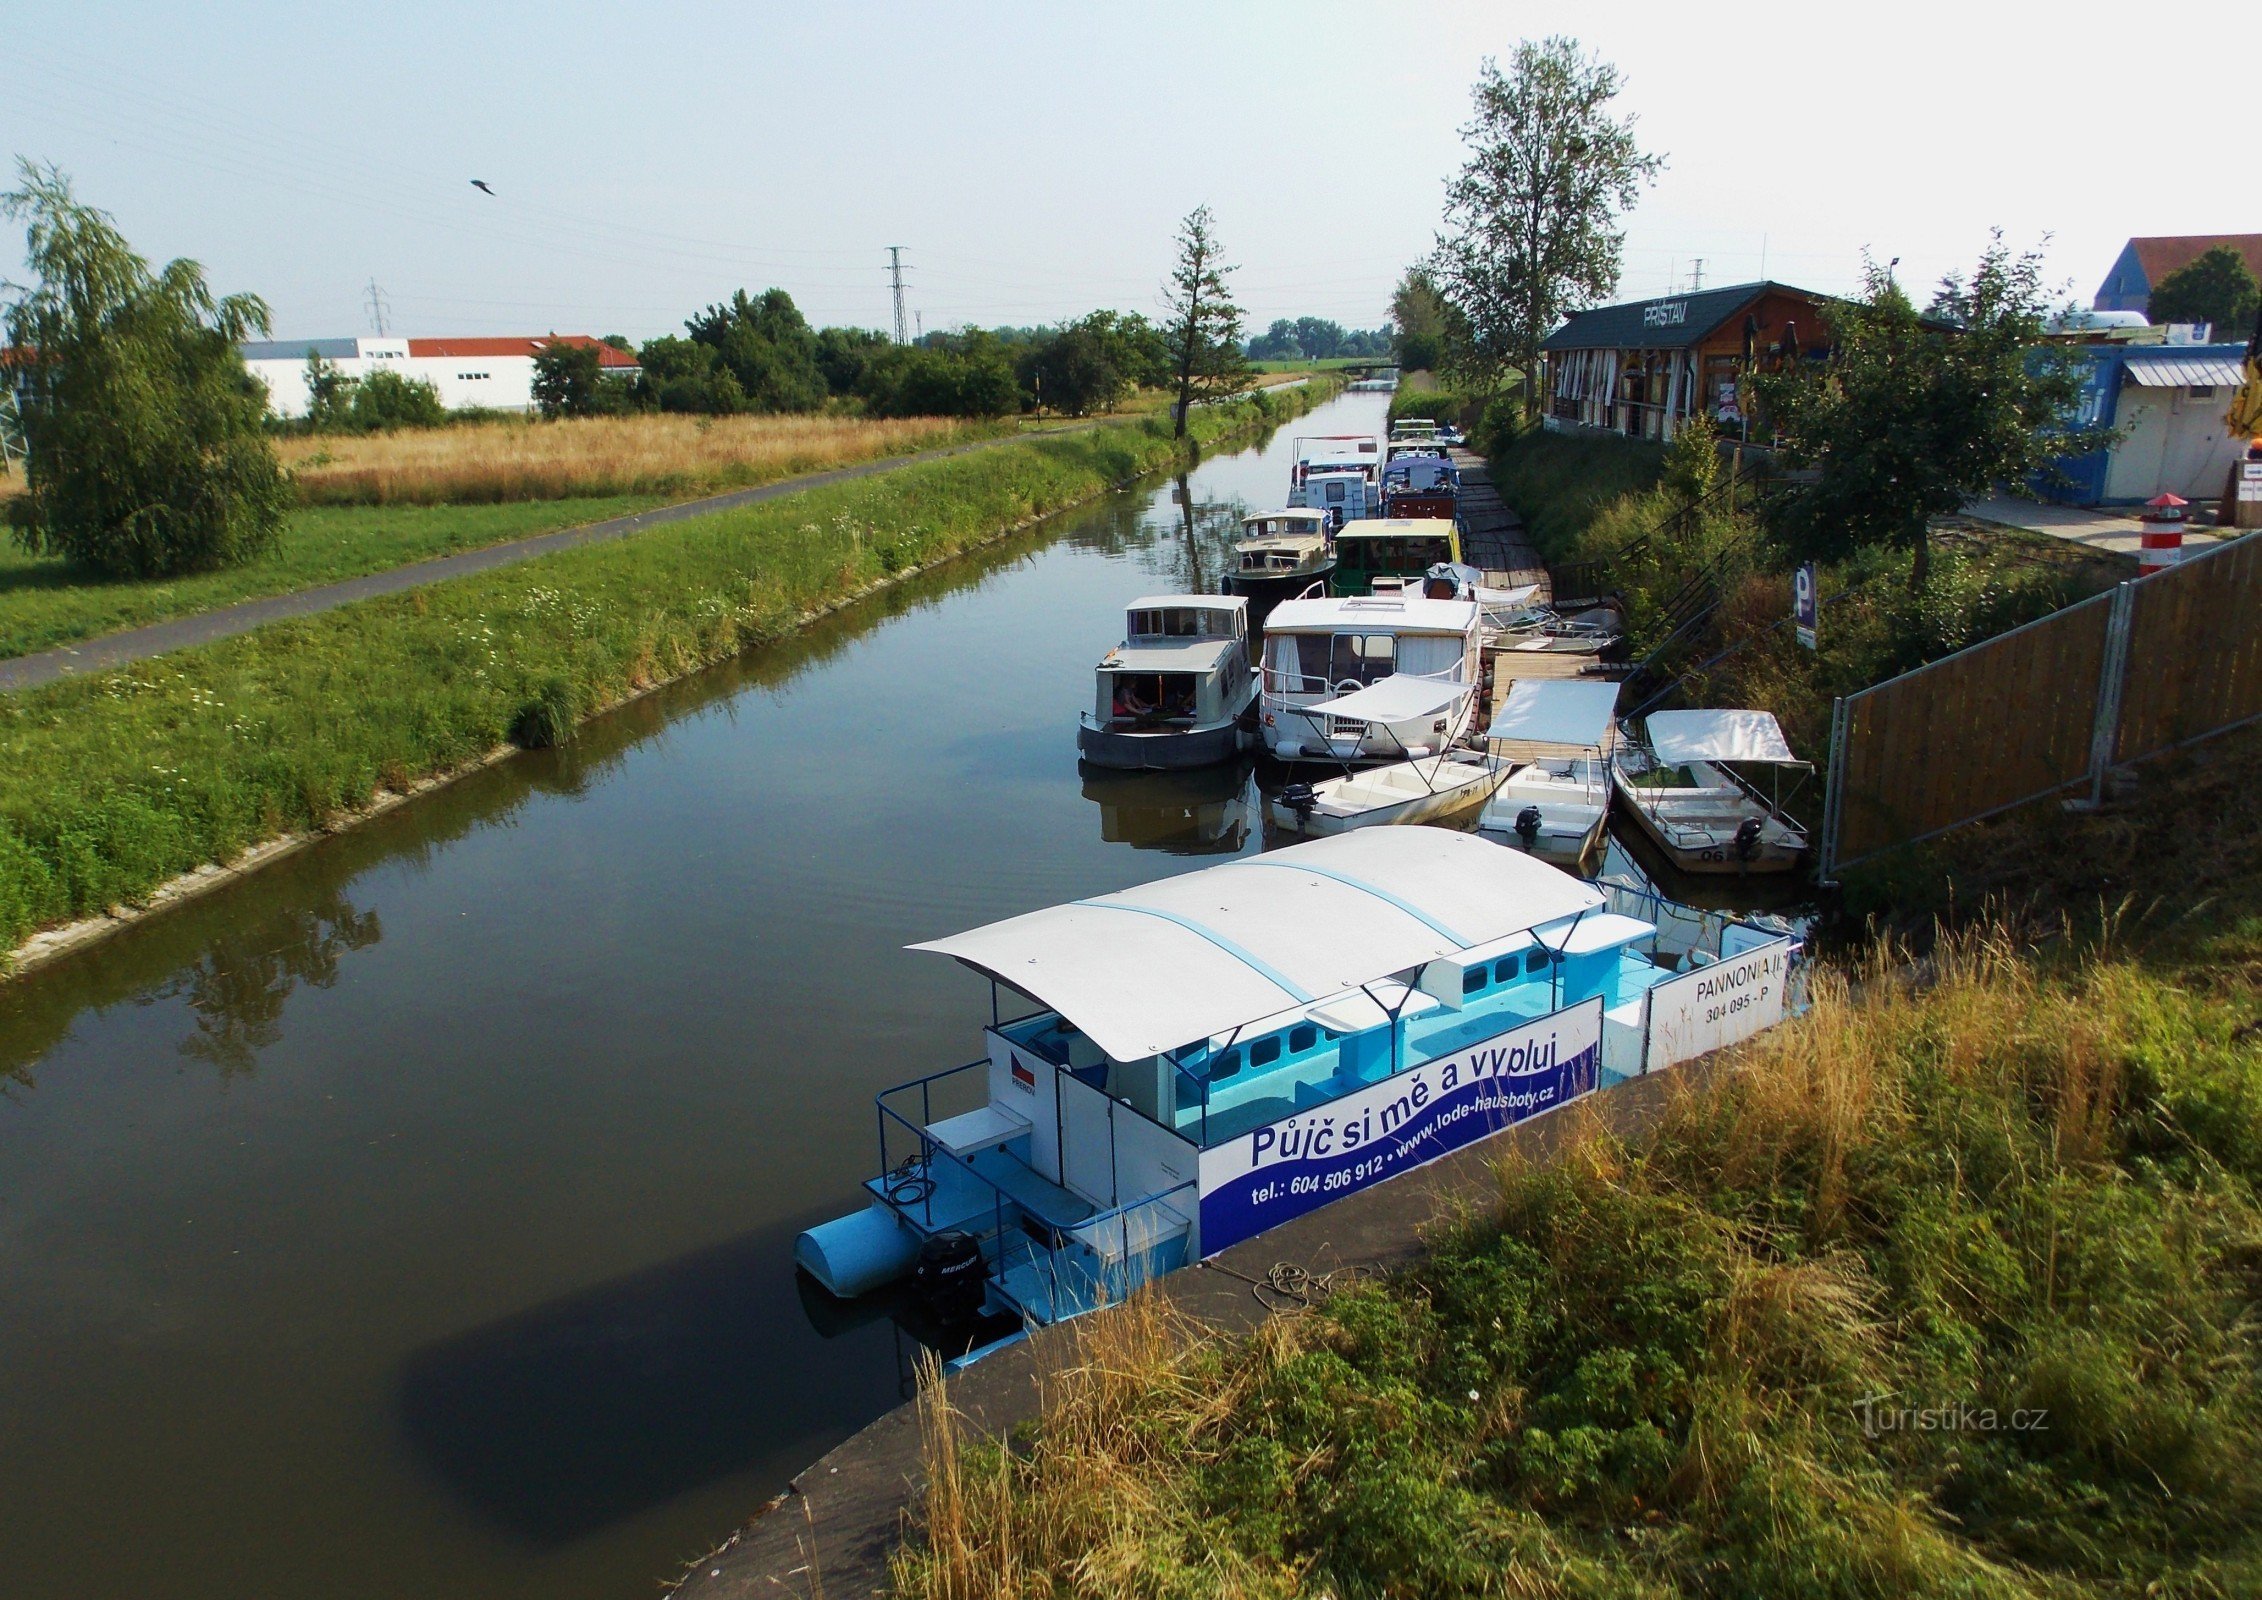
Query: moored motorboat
point(1323, 648)
point(1280, 555)
point(1392, 551)
point(1677, 780)
point(1557, 734)
point(1178, 691)
point(1337, 475)
point(1435, 789)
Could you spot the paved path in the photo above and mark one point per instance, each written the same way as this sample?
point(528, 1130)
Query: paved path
point(139, 644)
point(2117, 531)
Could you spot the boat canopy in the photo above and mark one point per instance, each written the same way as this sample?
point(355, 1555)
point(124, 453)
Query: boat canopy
point(1556, 711)
point(1397, 698)
point(1164, 964)
point(1374, 614)
point(1680, 737)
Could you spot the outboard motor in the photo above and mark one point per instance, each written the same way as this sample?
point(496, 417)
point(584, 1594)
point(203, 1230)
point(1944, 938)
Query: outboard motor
point(1747, 838)
point(949, 1276)
point(1299, 798)
point(1527, 826)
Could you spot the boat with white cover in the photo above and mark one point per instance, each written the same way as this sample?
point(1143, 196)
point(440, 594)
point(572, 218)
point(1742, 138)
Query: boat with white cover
point(1676, 780)
point(1439, 788)
point(1557, 734)
point(1338, 475)
point(1322, 648)
point(1178, 691)
point(1213, 1054)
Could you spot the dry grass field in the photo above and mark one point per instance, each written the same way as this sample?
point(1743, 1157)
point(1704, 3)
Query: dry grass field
point(654, 454)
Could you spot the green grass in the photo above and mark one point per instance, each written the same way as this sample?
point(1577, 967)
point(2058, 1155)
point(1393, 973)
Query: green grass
point(1940, 1291)
point(46, 602)
point(113, 783)
point(1312, 364)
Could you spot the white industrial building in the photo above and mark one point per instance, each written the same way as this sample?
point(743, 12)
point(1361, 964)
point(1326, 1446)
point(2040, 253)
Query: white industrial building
point(491, 374)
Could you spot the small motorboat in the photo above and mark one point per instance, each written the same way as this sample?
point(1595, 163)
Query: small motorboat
point(1439, 789)
point(1556, 734)
point(1281, 554)
point(1543, 630)
point(1678, 782)
point(1179, 690)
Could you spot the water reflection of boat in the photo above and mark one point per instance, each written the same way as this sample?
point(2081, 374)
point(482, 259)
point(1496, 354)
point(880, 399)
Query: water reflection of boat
point(1197, 811)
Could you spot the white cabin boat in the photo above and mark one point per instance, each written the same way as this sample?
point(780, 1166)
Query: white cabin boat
point(1214, 1054)
point(1321, 648)
point(1338, 475)
point(1557, 735)
point(1281, 554)
point(1676, 782)
point(1178, 691)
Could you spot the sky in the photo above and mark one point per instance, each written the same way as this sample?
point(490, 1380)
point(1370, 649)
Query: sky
point(1033, 160)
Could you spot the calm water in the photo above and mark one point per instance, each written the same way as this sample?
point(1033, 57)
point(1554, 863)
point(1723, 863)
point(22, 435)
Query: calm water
point(414, 1219)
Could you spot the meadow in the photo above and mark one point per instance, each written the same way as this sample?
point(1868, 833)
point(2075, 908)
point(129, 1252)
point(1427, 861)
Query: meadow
point(112, 783)
point(1946, 1289)
point(647, 454)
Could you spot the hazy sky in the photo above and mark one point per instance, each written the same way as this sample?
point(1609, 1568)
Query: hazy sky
point(1033, 159)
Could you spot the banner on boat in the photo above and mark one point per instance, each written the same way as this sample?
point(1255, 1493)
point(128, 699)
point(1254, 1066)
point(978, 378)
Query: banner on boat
point(1708, 1007)
point(1303, 1162)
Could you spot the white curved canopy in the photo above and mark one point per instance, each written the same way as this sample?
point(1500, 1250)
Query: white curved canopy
point(1163, 964)
point(1683, 736)
point(1397, 698)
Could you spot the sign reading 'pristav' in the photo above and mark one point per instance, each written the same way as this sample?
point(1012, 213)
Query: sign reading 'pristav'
point(1303, 1162)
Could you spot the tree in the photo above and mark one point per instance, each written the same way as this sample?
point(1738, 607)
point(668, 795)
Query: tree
point(1277, 343)
point(568, 379)
point(1418, 315)
point(1204, 327)
point(681, 375)
point(2217, 288)
point(767, 346)
point(1078, 369)
point(329, 395)
point(148, 452)
point(384, 400)
point(1531, 223)
point(1912, 416)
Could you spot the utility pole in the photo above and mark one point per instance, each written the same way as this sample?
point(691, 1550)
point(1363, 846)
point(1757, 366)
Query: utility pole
point(895, 276)
point(377, 308)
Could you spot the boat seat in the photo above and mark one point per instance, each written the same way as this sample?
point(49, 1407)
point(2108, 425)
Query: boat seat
point(981, 1129)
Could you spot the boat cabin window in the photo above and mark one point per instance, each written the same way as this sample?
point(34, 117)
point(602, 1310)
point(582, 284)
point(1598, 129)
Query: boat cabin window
point(1181, 622)
point(1504, 969)
point(1153, 694)
point(1368, 657)
point(1303, 1036)
point(1398, 554)
point(1335, 491)
point(1472, 980)
point(1265, 1052)
point(1535, 960)
point(1226, 1066)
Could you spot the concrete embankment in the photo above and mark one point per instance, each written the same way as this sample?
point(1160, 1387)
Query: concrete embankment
point(830, 1533)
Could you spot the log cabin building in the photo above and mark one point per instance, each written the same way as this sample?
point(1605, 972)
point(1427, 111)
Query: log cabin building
point(1638, 369)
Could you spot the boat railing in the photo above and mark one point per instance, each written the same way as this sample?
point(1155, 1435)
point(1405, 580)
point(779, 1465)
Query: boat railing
point(916, 1182)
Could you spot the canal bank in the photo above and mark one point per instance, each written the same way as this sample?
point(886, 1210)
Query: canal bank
point(243, 740)
point(414, 1216)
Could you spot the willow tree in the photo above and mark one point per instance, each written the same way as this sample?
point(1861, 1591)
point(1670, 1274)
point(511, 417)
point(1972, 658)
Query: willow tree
point(148, 451)
point(1202, 325)
point(1532, 222)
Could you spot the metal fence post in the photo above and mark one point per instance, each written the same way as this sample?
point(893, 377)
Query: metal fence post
point(1833, 790)
point(2112, 679)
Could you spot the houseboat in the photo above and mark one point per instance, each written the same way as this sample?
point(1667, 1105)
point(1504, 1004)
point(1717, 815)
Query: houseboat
point(1557, 733)
point(1676, 781)
point(1281, 554)
point(1178, 691)
point(1322, 648)
point(1211, 1055)
point(1392, 548)
point(1339, 474)
point(1420, 481)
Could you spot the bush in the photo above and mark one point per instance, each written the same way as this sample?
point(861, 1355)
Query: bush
point(149, 454)
point(385, 401)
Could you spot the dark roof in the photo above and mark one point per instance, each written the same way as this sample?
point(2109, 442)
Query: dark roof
point(299, 349)
point(1670, 322)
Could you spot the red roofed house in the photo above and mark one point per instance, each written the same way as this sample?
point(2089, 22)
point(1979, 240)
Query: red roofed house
point(493, 374)
point(2144, 262)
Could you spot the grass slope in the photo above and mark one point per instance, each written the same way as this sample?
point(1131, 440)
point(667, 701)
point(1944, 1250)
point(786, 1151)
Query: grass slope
point(1942, 1290)
point(46, 602)
point(113, 783)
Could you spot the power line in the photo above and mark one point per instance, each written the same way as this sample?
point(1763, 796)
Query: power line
point(895, 277)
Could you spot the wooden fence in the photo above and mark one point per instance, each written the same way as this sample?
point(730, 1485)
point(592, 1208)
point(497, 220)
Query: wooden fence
point(2159, 662)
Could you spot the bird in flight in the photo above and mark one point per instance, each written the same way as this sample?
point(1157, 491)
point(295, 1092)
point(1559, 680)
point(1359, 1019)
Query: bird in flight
point(481, 185)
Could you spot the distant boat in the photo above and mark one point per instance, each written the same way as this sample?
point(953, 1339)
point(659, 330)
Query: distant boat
point(1677, 781)
point(1281, 554)
point(1179, 690)
point(1557, 733)
point(1337, 474)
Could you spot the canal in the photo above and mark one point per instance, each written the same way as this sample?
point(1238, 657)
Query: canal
point(414, 1217)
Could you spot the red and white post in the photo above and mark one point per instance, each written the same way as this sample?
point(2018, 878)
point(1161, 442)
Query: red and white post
point(2163, 534)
